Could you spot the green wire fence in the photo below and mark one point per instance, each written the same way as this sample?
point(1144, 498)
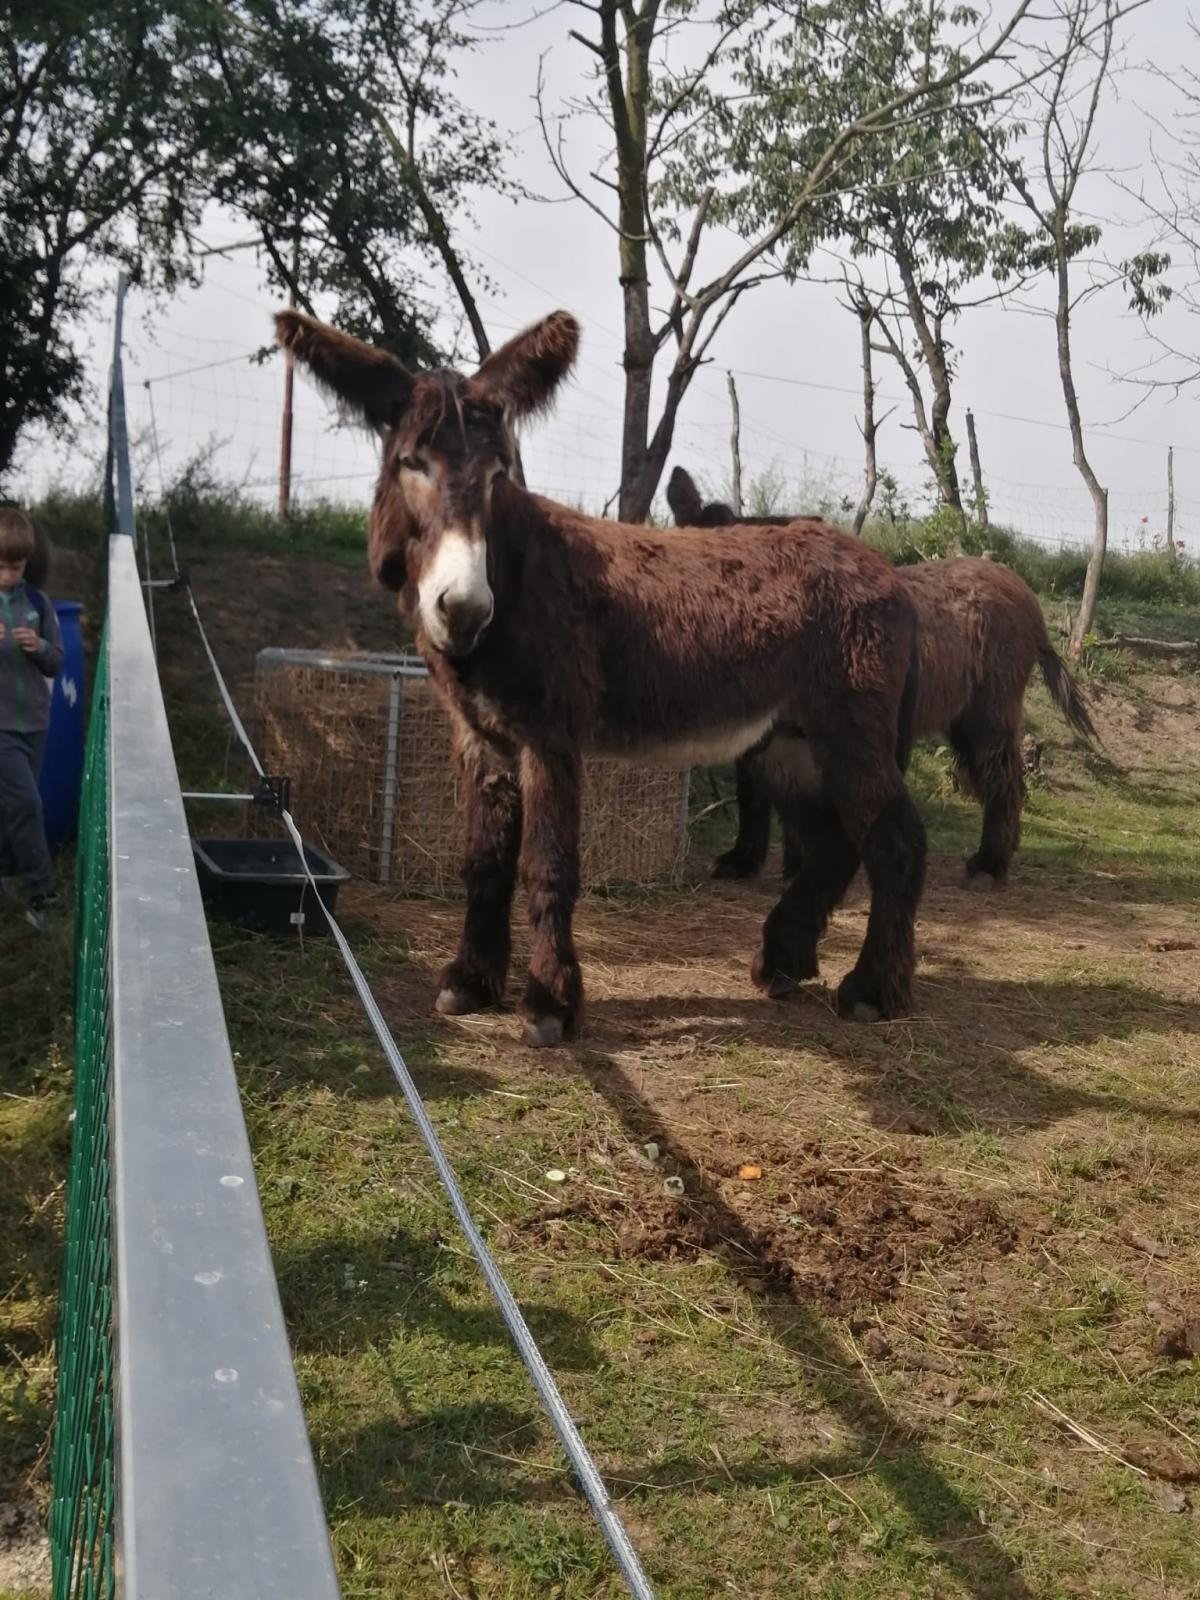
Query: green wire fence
point(81, 1520)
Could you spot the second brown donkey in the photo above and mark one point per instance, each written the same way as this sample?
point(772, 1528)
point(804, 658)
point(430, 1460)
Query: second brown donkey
point(981, 635)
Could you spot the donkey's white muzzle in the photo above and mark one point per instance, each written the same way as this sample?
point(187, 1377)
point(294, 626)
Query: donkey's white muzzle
point(454, 596)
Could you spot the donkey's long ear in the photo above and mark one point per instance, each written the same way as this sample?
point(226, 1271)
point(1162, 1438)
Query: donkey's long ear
point(683, 497)
point(523, 374)
point(368, 381)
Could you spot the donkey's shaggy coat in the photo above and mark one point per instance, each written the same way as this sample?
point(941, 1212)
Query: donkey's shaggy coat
point(549, 633)
point(981, 634)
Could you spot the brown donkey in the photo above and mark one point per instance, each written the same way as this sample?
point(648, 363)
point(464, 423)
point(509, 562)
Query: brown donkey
point(981, 633)
point(549, 634)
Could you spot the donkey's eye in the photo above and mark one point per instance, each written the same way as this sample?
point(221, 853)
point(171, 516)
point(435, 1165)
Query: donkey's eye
point(414, 464)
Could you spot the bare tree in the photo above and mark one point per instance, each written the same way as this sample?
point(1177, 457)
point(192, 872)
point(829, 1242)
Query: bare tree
point(1069, 100)
point(1172, 552)
point(981, 516)
point(669, 190)
point(932, 420)
point(735, 445)
point(862, 306)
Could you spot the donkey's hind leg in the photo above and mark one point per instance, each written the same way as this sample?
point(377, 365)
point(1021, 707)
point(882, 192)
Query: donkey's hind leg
point(989, 760)
point(893, 852)
point(795, 850)
point(749, 850)
point(824, 860)
point(552, 1005)
point(475, 978)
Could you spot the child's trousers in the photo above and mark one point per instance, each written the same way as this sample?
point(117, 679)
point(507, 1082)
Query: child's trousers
point(23, 847)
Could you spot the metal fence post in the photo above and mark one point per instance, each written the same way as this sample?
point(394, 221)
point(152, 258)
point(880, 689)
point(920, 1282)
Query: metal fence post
point(118, 426)
point(387, 841)
point(682, 840)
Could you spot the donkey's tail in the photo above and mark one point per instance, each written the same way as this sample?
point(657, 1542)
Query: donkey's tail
point(1064, 691)
point(908, 707)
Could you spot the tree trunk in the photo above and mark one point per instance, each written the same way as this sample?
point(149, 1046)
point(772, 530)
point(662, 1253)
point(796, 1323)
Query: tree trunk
point(285, 442)
point(869, 427)
point(981, 516)
point(638, 361)
point(735, 446)
point(1062, 320)
point(629, 97)
point(939, 445)
point(637, 494)
point(1172, 553)
point(289, 380)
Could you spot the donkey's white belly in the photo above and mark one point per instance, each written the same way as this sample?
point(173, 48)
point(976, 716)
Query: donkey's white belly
point(705, 748)
point(789, 762)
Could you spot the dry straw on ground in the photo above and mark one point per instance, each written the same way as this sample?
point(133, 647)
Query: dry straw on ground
point(326, 725)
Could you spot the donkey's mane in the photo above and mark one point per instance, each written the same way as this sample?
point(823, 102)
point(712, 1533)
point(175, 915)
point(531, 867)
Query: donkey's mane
point(436, 393)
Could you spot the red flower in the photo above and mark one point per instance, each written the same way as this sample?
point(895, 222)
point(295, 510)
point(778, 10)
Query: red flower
point(1145, 519)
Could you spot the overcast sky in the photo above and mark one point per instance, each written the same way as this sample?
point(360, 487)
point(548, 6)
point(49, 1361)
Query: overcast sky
point(793, 350)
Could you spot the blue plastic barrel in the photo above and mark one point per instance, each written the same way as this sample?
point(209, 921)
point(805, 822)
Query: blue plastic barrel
point(62, 765)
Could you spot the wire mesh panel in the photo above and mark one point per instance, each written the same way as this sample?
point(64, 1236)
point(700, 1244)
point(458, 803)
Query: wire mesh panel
point(81, 1519)
point(367, 746)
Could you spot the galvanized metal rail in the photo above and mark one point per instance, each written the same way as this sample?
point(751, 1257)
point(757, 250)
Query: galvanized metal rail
point(218, 1491)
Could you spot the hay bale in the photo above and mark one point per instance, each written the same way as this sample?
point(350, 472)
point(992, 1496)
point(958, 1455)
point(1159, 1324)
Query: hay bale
point(325, 722)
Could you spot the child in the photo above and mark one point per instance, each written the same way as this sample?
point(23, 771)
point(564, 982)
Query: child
point(31, 653)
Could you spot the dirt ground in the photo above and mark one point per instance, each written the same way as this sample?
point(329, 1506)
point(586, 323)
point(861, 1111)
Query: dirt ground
point(848, 1214)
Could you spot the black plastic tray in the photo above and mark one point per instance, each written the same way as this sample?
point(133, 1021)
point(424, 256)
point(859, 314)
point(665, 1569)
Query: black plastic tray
point(260, 883)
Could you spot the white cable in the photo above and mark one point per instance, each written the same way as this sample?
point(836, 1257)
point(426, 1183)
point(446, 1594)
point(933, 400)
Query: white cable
point(577, 1452)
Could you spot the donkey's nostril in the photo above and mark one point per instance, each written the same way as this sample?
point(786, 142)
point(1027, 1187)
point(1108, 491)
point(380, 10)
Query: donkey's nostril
point(441, 602)
point(391, 572)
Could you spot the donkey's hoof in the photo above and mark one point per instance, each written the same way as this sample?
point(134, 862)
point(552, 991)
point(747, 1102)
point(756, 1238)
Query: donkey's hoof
point(455, 1003)
point(984, 872)
point(860, 1000)
point(543, 1034)
point(463, 987)
point(731, 866)
point(774, 982)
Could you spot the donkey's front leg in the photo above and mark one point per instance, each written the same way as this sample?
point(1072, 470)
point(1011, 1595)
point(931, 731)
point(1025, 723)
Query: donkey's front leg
point(492, 792)
point(550, 794)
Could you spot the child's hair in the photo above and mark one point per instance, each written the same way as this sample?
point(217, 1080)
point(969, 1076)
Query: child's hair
point(22, 539)
point(17, 538)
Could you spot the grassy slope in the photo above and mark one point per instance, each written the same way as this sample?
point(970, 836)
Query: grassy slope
point(764, 1435)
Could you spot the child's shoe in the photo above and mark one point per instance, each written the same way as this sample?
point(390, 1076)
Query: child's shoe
point(41, 911)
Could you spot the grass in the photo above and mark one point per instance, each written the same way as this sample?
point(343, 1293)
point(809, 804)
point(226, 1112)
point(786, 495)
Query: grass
point(825, 1381)
point(35, 1102)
